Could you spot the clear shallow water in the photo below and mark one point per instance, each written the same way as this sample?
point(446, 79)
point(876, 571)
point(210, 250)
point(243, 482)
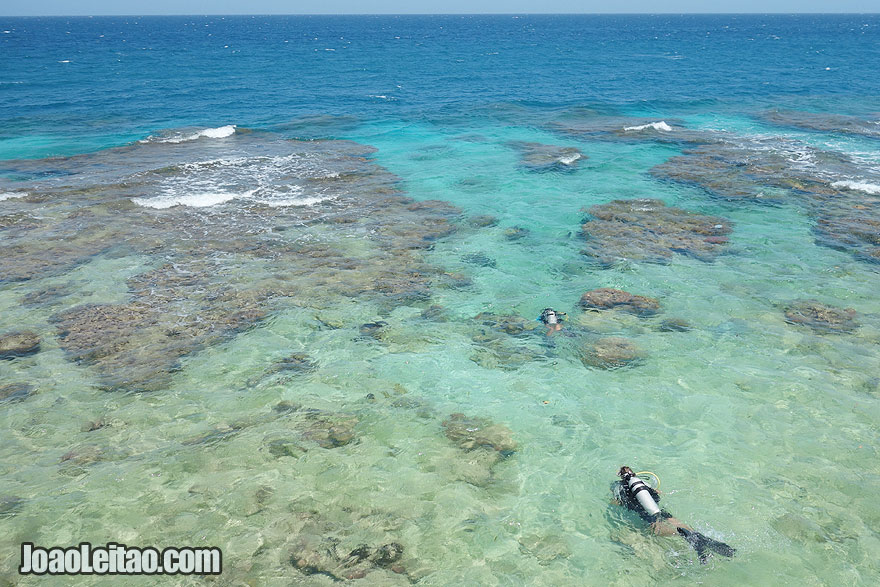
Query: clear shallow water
point(764, 432)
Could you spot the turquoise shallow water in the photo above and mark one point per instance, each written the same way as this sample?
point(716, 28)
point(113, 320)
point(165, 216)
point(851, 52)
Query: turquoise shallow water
point(163, 424)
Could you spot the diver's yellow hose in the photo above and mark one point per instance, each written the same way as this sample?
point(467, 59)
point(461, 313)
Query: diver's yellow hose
point(654, 475)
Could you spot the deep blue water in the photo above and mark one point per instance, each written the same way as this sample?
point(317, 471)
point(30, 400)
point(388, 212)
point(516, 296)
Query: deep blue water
point(82, 83)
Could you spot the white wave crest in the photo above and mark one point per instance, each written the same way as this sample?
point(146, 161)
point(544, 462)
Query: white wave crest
point(297, 201)
point(201, 200)
point(9, 195)
point(862, 186)
point(570, 159)
point(661, 125)
point(221, 132)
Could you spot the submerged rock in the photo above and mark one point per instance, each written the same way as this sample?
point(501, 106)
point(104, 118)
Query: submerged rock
point(10, 505)
point(498, 355)
point(511, 324)
point(821, 317)
point(18, 344)
point(483, 221)
point(515, 233)
point(373, 329)
point(483, 444)
point(92, 425)
point(611, 353)
point(675, 325)
point(497, 336)
point(217, 270)
point(285, 447)
point(435, 313)
point(854, 229)
point(473, 433)
point(606, 298)
point(824, 122)
point(297, 362)
point(218, 433)
point(15, 392)
point(85, 455)
point(345, 547)
point(648, 230)
point(47, 296)
point(773, 170)
point(479, 259)
point(605, 127)
point(329, 430)
point(541, 158)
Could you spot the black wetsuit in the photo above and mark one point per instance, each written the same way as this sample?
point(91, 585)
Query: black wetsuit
point(702, 544)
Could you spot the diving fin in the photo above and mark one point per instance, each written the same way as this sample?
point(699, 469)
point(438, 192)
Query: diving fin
point(700, 543)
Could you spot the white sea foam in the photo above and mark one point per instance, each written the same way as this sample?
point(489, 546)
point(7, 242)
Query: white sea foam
point(294, 179)
point(198, 200)
point(9, 195)
point(277, 203)
point(570, 159)
point(661, 125)
point(221, 132)
point(862, 186)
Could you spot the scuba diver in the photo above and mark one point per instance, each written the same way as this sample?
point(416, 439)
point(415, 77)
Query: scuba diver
point(635, 494)
point(551, 319)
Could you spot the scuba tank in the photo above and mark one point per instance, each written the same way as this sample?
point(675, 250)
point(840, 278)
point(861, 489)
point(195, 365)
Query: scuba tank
point(644, 495)
point(549, 316)
point(639, 490)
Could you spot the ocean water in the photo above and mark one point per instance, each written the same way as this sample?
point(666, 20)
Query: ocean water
point(271, 259)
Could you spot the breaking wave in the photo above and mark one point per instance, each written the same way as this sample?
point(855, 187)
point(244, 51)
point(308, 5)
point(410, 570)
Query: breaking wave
point(869, 188)
point(661, 125)
point(221, 132)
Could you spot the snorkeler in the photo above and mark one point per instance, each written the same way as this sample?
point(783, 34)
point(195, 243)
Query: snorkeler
point(635, 494)
point(551, 318)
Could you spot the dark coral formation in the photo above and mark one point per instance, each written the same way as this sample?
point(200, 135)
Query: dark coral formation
point(750, 171)
point(821, 317)
point(482, 445)
point(324, 548)
point(217, 271)
point(482, 221)
point(541, 158)
point(15, 392)
point(627, 129)
point(514, 233)
point(10, 505)
point(853, 227)
point(611, 352)
point(47, 296)
point(675, 325)
point(648, 230)
point(511, 324)
point(329, 430)
point(765, 170)
point(824, 122)
point(295, 363)
point(18, 344)
point(503, 341)
point(478, 433)
point(847, 218)
point(606, 298)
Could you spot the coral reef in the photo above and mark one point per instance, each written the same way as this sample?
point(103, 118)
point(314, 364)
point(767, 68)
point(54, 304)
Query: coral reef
point(647, 230)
